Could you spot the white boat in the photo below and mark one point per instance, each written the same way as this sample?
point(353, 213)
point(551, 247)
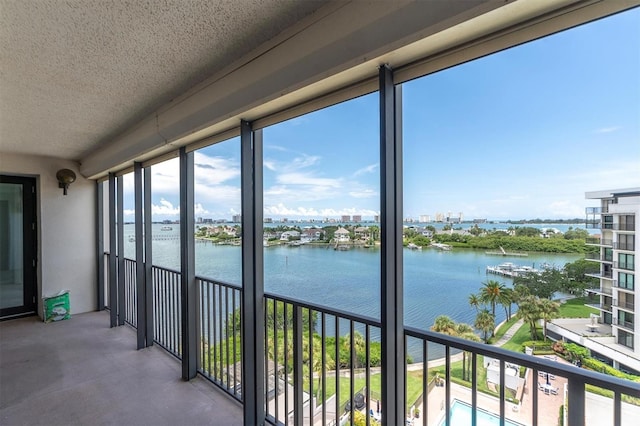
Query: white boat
point(166, 228)
point(412, 246)
point(439, 246)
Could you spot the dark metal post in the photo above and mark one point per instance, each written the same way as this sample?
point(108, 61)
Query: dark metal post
point(575, 401)
point(100, 245)
point(113, 281)
point(188, 287)
point(298, 401)
point(120, 236)
point(392, 311)
point(148, 265)
point(253, 333)
point(140, 272)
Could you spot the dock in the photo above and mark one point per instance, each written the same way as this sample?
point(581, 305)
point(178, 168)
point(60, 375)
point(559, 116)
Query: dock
point(503, 252)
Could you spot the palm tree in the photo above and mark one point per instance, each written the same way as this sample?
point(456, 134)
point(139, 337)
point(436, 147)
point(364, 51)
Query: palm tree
point(443, 324)
point(529, 311)
point(506, 299)
point(485, 322)
point(548, 311)
point(474, 301)
point(490, 292)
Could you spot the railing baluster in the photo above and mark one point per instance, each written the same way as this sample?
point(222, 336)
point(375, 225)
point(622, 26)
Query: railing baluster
point(474, 389)
point(502, 378)
point(337, 369)
point(425, 382)
point(576, 401)
point(324, 369)
point(352, 361)
point(534, 381)
point(226, 331)
point(447, 389)
point(367, 378)
point(297, 366)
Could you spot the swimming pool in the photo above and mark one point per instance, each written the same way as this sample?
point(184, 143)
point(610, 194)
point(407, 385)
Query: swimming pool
point(461, 416)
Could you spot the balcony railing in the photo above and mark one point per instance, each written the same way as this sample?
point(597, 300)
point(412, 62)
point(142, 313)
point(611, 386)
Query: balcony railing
point(320, 363)
point(167, 309)
point(623, 286)
point(220, 343)
point(627, 325)
point(624, 227)
point(624, 304)
point(604, 274)
point(599, 241)
point(131, 306)
point(624, 246)
point(601, 290)
point(629, 266)
point(592, 224)
point(599, 257)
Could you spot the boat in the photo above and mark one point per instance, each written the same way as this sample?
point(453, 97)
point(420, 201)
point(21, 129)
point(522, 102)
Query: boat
point(166, 228)
point(440, 246)
point(512, 270)
point(412, 246)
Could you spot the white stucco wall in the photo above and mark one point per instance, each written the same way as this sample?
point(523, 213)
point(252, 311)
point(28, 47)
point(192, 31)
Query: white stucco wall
point(66, 229)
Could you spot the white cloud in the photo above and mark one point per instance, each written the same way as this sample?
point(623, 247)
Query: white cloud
point(281, 209)
point(365, 193)
point(368, 169)
point(607, 129)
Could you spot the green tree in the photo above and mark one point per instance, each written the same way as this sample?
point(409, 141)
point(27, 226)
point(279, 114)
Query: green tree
point(475, 301)
point(507, 298)
point(548, 311)
point(576, 234)
point(527, 231)
point(490, 293)
point(542, 284)
point(529, 312)
point(485, 322)
point(576, 273)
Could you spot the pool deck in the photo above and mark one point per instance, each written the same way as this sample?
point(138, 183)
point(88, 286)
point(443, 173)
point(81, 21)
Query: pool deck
point(599, 410)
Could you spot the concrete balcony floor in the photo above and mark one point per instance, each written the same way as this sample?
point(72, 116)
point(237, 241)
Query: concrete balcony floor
point(82, 372)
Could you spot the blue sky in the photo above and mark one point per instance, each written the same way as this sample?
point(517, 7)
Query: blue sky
point(523, 133)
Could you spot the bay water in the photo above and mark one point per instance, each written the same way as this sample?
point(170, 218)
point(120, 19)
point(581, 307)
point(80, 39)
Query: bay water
point(435, 282)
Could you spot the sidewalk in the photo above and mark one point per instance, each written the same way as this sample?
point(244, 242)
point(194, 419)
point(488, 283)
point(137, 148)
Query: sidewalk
point(508, 334)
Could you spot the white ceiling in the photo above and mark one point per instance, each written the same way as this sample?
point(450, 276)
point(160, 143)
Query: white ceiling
point(74, 74)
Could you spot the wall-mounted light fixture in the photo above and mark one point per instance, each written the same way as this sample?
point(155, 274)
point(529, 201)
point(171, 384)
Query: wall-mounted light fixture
point(65, 178)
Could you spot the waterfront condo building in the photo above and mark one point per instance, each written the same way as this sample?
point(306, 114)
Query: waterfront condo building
point(618, 244)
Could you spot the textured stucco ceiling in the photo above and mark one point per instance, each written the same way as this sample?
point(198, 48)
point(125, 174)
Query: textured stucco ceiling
point(75, 73)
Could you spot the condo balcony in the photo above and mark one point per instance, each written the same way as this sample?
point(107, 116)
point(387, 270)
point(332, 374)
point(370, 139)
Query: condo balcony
point(624, 246)
point(598, 257)
point(73, 365)
point(597, 241)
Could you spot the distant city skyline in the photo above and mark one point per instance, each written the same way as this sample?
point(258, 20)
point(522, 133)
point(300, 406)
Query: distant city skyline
point(520, 134)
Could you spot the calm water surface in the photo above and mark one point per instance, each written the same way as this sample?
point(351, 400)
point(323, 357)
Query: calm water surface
point(435, 282)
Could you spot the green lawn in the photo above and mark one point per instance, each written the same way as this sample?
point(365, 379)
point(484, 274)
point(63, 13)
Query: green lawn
point(503, 329)
point(522, 335)
point(414, 387)
point(575, 308)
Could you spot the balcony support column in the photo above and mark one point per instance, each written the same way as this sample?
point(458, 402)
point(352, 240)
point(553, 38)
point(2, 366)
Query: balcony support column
point(253, 332)
point(148, 265)
point(141, 305)
point(188, 287)
point(120, 237)
point(113, 281)
point(391, 285)
point(575, 399)
point(100, 245)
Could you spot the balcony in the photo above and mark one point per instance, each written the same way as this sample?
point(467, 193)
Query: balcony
point(623, 304)
point(629, 266)
point(624, 227)
point(598, 257)
point(606, 275)
point(624, 287)
point(595, 241)
point(624, 246)
point(592, 223)
point(605, 291)
point(626, 325)
point(600, 306)
point(81, 371)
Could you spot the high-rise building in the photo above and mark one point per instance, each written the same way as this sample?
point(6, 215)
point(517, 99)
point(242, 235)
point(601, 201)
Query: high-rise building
point(236, 218)
point(356, 218)
point(617, 249)
point(345, 218)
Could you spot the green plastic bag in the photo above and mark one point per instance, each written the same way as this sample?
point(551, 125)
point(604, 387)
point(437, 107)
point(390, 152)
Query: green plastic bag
point(56, 308)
